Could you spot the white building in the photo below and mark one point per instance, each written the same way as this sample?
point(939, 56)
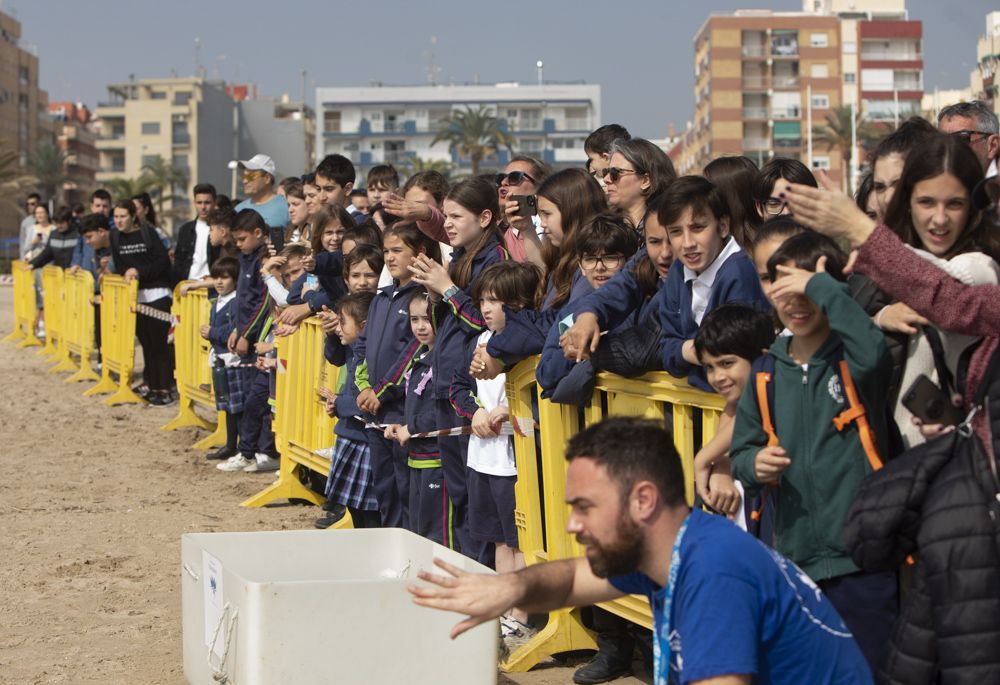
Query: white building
point(394, 124)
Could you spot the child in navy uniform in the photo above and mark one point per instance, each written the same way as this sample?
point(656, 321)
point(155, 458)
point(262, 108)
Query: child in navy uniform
point(429, 509)
point(502, 288)
point(226, 379)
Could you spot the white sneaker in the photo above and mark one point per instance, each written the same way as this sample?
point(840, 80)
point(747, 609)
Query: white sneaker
point(263, 463)
point(237, 463)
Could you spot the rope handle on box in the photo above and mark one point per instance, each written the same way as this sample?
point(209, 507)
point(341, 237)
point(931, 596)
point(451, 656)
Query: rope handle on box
point(219, 674)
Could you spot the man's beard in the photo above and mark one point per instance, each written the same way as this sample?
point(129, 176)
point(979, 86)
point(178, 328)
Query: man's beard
point(617, 558)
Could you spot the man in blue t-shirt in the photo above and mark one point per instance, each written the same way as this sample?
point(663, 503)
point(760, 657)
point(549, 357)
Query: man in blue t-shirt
point(727, 610)
point(258, 183)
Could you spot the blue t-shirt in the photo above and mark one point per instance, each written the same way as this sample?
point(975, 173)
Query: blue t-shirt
point(741, 608)
point(274, 211)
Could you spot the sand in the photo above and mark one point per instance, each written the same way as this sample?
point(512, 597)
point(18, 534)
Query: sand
point(94, 501)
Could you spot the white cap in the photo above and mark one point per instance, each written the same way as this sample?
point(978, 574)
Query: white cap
point(256, 163)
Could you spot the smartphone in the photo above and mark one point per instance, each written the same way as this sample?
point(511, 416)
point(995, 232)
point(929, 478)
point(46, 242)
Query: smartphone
point(931, 404)
point(527, 205)
point(277, 236)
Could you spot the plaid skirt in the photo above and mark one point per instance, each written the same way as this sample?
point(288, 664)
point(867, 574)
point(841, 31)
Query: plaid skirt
point(350, 479)
point(227, 383)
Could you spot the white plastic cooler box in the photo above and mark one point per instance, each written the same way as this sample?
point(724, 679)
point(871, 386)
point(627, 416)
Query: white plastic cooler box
point(313, 607)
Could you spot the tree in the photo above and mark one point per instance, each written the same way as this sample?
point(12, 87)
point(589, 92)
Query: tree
point(836, 134)
point(473, 133)
point(48, 166)
point(163, 177)
point(415, 165)
point(126, 188)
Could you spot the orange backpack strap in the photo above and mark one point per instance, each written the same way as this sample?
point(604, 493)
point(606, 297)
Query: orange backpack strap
point(760, 385)
point(855, 413)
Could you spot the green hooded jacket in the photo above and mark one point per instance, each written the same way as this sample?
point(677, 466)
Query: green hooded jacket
point(827, 465)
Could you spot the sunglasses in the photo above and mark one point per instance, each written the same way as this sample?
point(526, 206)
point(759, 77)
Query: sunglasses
point(251, 175)
point(966, 135)
point(514, 178)
point(608, 261)
point(614, 173)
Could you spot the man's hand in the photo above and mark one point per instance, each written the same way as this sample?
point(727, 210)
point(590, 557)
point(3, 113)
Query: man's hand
point(770, 463)
point(368, 401)
point(582, 338)
point(480, 597)
point(481, 425)
point(242, 346)
point(203, 330)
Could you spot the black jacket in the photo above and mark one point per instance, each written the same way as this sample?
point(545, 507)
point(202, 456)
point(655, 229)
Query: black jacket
point(939, 503)
point(184, 252)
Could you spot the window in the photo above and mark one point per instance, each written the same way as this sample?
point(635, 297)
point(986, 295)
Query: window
point(179, 133)
point(848, 77)
point(818, 40)
point(850, 47)
point(331, 121)
point(821, 162)
point(158, 95)
point(23, 75)
point(150, 128)
point(821, 101)
point(531, 145)
point(531, 119)
point(181, 97)
point(876, 79)
point(819, 71)
point(148, 160)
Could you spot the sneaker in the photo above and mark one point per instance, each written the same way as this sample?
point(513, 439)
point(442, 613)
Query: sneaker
point(263, 463)
point(237, 463)
point(142, 390)
point(224, 452)
point(516, 638)
point(331, 518)
point(160, 398)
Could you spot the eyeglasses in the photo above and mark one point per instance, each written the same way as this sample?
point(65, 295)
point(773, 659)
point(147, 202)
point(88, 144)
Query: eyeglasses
point(608, 261)
point(251, 175)
point(514, 178)
point(774, 206)
point(614, 173)
point(966, 135)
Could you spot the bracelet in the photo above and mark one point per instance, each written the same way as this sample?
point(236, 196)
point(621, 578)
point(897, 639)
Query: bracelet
point(878, 317)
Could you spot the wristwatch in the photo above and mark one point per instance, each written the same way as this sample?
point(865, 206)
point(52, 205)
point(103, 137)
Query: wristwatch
point(447, 294)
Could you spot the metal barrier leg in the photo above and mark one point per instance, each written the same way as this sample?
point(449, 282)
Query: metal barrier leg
point(215, 439)
point(564, 632)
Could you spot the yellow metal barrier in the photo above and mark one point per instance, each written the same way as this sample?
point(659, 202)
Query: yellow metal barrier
point(77, 326)
point(192, 371)
point(301, 425)
point(541, 511)
point(25, 306)
point(52, 304)
point(118, 302)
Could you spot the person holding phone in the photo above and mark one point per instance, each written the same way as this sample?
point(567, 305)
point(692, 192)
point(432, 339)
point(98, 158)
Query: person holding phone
point(519, 181)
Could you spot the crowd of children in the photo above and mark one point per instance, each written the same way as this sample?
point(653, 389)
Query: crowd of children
point(429, 292)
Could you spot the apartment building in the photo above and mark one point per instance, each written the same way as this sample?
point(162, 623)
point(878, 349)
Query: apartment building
point(397, 124)
point(983, 80)
point(761, 79)
point(78, 142)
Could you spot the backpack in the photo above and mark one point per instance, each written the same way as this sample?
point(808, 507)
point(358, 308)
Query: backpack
point(761, 508)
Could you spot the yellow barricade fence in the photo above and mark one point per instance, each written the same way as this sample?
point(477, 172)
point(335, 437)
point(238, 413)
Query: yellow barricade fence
point(25, 306)
point(52, 304)
point(541, 512)
point(192, 371)
point(77, 326)
point(118, 301)
point(301, 425)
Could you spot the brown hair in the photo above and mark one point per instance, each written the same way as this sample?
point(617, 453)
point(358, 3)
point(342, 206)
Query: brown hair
point(382, 175)
point(579, 198)
point(476, 195)
point(324, 217)
point(433, 182)
point(355, 306)
point(370, 254)
point(415, 239)
point(295, 251)
point(514, 284)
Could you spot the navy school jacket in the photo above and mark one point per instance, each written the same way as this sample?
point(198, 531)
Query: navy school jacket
point(387, 347)
point(736, 282)
point(346, 401)
point(462, 321)
point(253, 303)
point(220, 325)
point(420, 414)
point(330, 273)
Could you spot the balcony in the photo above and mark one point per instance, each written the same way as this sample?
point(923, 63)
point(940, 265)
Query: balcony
point(754, 51)
point(755, 112)
point(786, 81)
point(756, 144)
point(181, 139)
point(787, 143)
point(577, 124)
point(786, 113)
point(758, 82)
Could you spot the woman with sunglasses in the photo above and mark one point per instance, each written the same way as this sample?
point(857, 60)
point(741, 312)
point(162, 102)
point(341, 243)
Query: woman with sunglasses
point(638, 170)
point(521, 236)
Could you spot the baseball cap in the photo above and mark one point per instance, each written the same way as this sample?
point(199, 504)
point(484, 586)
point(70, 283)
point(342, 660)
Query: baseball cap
point(258, 162)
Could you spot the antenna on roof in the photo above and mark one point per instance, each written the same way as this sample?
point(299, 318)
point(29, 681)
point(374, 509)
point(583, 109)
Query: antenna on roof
point(432, 68)
point(199, 70)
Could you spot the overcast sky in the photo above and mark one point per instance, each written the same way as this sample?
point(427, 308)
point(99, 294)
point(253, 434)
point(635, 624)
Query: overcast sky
point(640, 52)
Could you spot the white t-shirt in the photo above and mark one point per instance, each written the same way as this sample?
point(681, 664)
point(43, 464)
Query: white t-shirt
point(199, 261)
point(492, 456)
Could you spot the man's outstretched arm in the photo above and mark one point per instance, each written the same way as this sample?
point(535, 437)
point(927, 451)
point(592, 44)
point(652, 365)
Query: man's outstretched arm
point(536, 589)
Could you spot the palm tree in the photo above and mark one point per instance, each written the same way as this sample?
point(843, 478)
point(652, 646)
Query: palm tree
point(836, 134)
point(126, 188)
point(415, 165)
point(162, 177)
point(48, 166)
point(473, 133)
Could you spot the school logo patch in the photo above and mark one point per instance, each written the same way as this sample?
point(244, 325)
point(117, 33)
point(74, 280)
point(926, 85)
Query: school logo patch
point(833, 387)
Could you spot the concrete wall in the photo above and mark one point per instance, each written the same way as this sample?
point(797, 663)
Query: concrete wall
point(283, 139)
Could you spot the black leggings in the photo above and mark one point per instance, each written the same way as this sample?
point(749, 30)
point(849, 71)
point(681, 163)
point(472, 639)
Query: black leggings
point(158, 369)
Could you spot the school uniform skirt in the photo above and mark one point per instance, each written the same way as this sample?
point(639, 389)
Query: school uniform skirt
point(350, 479)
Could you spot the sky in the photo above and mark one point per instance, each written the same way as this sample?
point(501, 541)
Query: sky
point(640, 52)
